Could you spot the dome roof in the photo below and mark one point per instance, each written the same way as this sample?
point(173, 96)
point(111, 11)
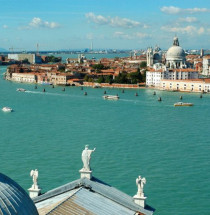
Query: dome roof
point(13, 198)
point(175, 53)
point(157, 56)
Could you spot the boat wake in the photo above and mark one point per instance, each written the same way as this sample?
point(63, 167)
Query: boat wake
point(53, 94)
point(128, 100)
point(46, 93)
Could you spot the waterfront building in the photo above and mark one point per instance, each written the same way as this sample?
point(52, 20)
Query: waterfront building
point(190, 85)
point(154, 76)
point(24, 77)
point(206, 65)
point(174, 69)
point(157, 73)
point(32, 58)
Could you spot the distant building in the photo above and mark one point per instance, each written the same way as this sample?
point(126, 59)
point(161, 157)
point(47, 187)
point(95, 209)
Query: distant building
point(190, 85)
point(206, 65)
point(174, 69)
point(24, 77)
point(32, 58)
point(154, 56)
point(175, 56)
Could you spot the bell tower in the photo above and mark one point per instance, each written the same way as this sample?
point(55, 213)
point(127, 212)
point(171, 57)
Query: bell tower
point(149, 57)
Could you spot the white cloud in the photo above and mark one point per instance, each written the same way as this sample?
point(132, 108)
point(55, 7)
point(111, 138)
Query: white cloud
point(137, 35)
point(188, 19)
point(39, 23)
point(192, 30)
point(101, 20)
point(201, 30)
point(177, 10)
point(114, 22)
point(5, 26)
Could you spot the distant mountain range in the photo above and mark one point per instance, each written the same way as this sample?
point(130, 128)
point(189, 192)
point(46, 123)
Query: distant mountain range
point(3, 50)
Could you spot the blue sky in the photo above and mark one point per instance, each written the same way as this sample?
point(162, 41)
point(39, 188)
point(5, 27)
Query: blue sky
point(117, 24)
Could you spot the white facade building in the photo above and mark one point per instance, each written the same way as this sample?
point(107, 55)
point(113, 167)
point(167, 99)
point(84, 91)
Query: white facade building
point(206, 65)
point(24, 77)
point(32, 58)
point(154, 76)
point(191, 85)
point(175, 68)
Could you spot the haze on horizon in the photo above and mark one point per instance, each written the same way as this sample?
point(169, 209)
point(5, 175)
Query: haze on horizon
point(132, 24)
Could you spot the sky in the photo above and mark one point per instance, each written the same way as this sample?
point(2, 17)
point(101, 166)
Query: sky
point(108, 24)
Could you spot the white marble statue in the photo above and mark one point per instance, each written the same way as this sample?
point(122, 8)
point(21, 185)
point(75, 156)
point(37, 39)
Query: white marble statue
point(140, 184)
point(86, 156)
point(34, 174)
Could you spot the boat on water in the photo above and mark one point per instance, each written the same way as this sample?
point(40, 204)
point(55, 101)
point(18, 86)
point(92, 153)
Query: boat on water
point(111, 97)
point(178, 104)
point(21, 90)
point(7, 109)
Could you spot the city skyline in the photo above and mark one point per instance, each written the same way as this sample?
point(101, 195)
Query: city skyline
point(56, 25)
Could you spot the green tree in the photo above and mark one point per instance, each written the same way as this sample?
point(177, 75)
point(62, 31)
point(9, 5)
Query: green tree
point(109, 79)
point(101, 79)
point(135, 77)
point(99, 67)
point(143, 64)
point(86, 77)
point(122, 78)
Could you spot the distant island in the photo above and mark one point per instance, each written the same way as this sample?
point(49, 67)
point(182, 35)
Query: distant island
point(174, 70)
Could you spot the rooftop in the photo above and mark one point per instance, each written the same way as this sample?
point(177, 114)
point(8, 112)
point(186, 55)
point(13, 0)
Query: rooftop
point(88, 196)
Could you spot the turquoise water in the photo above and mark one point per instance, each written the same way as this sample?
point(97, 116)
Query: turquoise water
point(133, 136)
point(90, 56)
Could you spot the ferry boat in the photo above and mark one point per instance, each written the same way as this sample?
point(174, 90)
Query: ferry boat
point(20, 90)
point(178, 104)
point(7, 109)
point(111, 97)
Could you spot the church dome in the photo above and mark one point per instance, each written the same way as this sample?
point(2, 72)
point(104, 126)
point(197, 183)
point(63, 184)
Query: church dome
point(13, 198)
point(175, 52)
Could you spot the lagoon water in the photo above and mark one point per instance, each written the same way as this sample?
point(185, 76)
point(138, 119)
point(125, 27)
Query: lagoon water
point(133, 136)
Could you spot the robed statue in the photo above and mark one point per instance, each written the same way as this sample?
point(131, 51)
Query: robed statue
point(140, 184)
point(86, 156)
point(34, 174)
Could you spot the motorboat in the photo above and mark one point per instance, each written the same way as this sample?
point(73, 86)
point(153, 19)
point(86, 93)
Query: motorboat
point(111, 97)
point(178, 104)
point(7, 109)
point(96, 86)
point(21, 90)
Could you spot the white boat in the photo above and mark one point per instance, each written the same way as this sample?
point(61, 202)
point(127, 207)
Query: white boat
point(111, 97)
point(178, 104)
point(7, 109)
point(20, 90)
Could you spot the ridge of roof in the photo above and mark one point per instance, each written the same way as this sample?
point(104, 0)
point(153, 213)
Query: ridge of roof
point(100, 187)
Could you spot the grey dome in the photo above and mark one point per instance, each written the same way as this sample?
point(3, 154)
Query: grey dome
point(175, 53)
point(14, 199)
